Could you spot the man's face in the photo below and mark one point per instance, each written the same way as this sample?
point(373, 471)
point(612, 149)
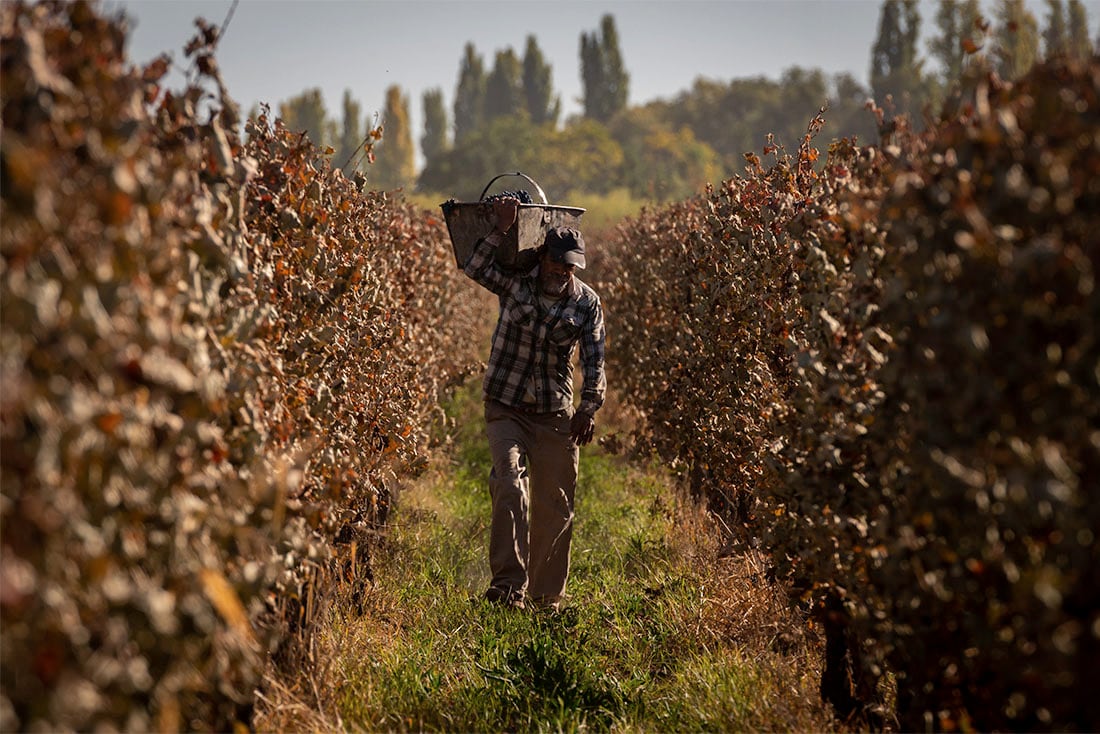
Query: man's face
point(554, 277)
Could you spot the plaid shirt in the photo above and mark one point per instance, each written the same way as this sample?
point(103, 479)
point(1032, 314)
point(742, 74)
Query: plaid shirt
point(531, 363)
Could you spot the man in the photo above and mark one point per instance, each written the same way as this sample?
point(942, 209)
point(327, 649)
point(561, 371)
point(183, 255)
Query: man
point(534, 432)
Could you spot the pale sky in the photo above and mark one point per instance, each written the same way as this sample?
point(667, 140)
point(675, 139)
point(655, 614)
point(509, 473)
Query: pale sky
point(276, 49)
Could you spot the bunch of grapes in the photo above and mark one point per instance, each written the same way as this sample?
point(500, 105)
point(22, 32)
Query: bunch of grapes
point(523, 196)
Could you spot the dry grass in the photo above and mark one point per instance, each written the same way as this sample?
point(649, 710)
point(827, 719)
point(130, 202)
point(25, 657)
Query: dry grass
point(749, 617)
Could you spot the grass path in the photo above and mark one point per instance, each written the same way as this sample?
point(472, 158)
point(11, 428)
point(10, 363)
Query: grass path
point(657, 633)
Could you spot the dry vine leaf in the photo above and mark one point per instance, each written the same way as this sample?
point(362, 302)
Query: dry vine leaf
point(169, 336)
point(884, 373)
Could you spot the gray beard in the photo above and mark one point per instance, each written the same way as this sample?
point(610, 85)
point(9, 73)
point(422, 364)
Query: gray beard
point(553, 287)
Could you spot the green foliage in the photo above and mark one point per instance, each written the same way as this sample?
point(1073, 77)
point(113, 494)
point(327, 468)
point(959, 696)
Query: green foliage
point(662, 165)
point(896, 68)
point(306, 113)
point(946, 46)
point(469, 104)
point(604, 211)
point(731, 118)
point(847, 107)
point(581, 157)
point(434, 140)
point(957, 23)
point(1080, 47)
point(465, 169)
point(395, 165)
point(1055, 33)
point(542, 105)
point(742, 115)
point(1017, 39)
point(351, 135)
point(504, 94)
point(606, 81)
point(580, 160)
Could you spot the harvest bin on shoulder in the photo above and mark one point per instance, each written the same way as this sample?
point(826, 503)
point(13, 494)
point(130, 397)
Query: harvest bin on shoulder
point(467, 222)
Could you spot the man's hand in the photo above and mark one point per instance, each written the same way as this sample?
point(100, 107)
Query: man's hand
point(504, 212)
point(582, 427)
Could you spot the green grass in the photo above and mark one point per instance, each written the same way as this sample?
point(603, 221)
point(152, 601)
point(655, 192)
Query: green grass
point(643, 642)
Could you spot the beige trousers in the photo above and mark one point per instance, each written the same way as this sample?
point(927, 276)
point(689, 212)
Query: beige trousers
point(532, 485)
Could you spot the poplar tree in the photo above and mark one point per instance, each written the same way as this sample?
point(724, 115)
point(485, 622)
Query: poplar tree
point(306, 112)
point(1079, 45)
point(1055, 34)
point(538, 86)
point(434, 140)
point(616, 79)
point(592, 74)
point(606, 82)
point(960, 49)
point(395, 163)
point(956, 24)
point(1017, 39)
point(504, 87)
point(351, 135)
point(896, 68)
point(469, 94)
point(946, 47)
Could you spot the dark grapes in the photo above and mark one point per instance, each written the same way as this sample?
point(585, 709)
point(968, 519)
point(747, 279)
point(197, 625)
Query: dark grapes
point(523, 196)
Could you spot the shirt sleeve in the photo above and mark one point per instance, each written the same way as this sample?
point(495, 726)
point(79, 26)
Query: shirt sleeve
point(483, 268)
point(592, 361)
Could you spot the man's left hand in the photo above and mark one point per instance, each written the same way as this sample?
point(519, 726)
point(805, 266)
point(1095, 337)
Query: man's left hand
point(582, 427)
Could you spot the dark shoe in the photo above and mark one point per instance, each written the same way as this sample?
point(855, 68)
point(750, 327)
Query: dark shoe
point(504, 597)
point(548, 606)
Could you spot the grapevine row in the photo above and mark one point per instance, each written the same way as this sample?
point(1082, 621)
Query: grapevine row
point(881, 369)
point(218, 356)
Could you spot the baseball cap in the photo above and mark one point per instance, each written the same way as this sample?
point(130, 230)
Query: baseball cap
point(565, 245)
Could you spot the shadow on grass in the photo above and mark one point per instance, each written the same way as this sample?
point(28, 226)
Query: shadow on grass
point(543, 681)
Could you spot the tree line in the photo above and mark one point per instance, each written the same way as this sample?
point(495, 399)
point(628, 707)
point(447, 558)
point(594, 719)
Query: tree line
point(667, 149)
